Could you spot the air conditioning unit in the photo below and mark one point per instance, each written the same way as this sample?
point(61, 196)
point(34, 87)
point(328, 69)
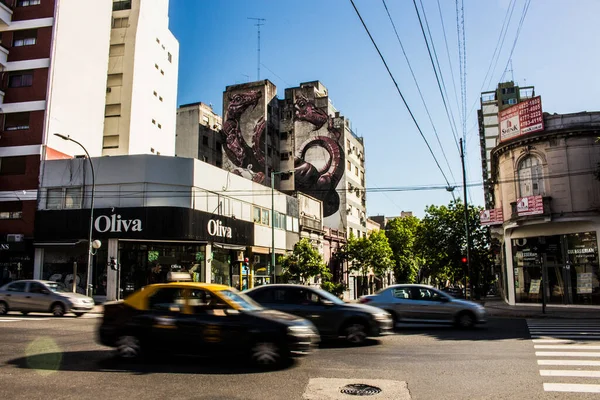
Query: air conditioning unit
point(14, 237)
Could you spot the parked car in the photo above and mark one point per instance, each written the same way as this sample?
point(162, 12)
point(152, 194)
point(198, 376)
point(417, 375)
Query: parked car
point(421, 303)
point(203, 319)
point(333, 317)
point(42, 296)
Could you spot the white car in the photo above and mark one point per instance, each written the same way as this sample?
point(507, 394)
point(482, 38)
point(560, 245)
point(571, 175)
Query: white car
point(422, 303)
point(42, 296)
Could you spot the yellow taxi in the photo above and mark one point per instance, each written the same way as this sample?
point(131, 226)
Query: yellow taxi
point(203, 319)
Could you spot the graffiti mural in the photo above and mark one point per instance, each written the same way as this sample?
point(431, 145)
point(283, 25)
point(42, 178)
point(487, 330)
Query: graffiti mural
point(240, 128)
point(320, 161)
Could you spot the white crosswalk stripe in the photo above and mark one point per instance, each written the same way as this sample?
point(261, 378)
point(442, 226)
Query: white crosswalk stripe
point(10, 318)
point(568, 345)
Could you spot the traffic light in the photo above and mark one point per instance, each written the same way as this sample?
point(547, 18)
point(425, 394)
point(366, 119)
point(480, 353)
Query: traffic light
point(464, 260)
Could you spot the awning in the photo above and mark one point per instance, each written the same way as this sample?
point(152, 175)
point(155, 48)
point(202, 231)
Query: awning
point(63, 243)
point(267, 250)
point(228, 246)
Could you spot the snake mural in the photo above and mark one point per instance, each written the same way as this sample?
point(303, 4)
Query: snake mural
point(249, 161)
point(319, 182)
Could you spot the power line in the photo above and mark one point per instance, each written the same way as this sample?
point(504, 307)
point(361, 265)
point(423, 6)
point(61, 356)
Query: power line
point(437, 77)
point(462, 51)
point(523, 15)
point(399, 91)
point(284, 81)
point(419, 89)
point(448, 53)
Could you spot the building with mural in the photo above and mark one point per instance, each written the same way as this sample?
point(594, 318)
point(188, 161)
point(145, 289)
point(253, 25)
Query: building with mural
point(545, 206)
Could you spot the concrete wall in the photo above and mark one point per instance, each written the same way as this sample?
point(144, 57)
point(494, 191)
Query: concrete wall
point(77, 82)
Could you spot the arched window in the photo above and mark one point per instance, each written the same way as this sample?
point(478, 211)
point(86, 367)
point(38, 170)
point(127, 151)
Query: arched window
point(531, 181)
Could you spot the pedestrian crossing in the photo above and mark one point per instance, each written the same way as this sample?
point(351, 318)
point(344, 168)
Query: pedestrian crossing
point(20, 318)
point(568, 354)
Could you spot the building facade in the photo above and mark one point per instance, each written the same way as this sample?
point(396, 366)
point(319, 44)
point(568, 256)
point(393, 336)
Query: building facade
point(546, 210)
point(45, 61)
point(199, 134)
point(141, 85)
point(155, 215)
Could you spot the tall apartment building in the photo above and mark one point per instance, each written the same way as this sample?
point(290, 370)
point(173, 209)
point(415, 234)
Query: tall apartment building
point(199, 133)
point(53, 81)
point(506, 95)
point(140, 115)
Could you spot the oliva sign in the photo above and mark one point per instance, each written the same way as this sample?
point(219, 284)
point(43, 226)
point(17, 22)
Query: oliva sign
point(216, 228)
point(114, 223)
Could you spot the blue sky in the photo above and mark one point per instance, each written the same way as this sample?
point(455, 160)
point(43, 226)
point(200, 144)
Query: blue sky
point(558, 52)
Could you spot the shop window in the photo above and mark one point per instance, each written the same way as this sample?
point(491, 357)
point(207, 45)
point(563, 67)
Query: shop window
point(16, 121)
point(54, 199)
point(531, 182)
point(12, 165)
point(26, 37)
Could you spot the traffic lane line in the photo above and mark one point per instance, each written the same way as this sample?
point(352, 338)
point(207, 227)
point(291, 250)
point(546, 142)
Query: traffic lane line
point(571, 387)
point(580, 363)
point(569, 372)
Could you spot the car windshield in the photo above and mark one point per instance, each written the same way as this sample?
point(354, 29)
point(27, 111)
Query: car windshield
point(57, 287)
point(328, 296)
point(243, 301)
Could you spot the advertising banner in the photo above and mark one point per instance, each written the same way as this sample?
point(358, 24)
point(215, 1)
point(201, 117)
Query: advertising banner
point(531, 205)
point(491, 217)
point(521, 119)
point(584, 282)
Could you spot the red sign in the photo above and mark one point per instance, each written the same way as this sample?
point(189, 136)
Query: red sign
point(531, 205)
point(521, 119)
point(491, 217)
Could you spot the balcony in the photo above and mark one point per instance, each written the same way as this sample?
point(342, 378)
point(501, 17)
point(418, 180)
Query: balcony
point(310, 224)
point(3, 57)
point(1, 99)
point(544, 212)
point(6, 7)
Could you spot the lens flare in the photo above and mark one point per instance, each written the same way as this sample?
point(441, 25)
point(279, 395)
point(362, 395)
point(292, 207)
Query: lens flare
point(44, 356)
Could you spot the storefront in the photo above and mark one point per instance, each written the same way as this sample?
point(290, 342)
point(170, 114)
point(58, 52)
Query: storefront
point(146, 244)
point(16, 261)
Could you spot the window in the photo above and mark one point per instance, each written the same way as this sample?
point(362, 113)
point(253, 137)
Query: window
point(27, 3)
point(159, 126)
point(303, 297)
point(509, 101)
point(121, 5)
point(110, 142)
point(156, 66)
point(202, 301)
point(531, 181)
point(24, 38)
point(218, 146)
point(349, 166)
point(120, 22)
point(20, 79)
point(54, 198)
point(205, 140)
point(154, 121)
point(160, 98)
point(17, 287)
point(12, 165)
point(508, 90)
point(427, 295)
point(356, 171)
point(166, 299)
point(256, 215)
point(158, 40)
point(16, 121)
point(401, 293)
point(205, 119)
point(265, 220)
point(162, 72)
point(169, 57)
point(112, 110)
point(73, 197)
point(283, 136)
point(11, 210)
point(155, 94)
point(36, 287)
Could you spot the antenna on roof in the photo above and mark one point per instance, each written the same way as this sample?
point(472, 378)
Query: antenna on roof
point(258, 25)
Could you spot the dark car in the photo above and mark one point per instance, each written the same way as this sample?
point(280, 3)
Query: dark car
point(203, 319)
point(332, 317)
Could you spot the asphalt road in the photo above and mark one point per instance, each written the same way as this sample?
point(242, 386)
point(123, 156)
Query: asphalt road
point(57, 358)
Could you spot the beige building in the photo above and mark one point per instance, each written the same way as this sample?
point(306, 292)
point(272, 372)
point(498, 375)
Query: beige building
point(198, 133)
point(140, 113)
point(548, 199)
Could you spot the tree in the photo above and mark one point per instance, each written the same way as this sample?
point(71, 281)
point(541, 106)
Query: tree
point(304, 263)
point(441, 242)
point(366, 253)
point(402, 235)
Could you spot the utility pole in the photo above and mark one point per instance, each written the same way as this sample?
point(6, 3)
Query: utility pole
point(468, 234)
point(259, 23)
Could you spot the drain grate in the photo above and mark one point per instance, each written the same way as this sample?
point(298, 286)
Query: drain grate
point(358, 389)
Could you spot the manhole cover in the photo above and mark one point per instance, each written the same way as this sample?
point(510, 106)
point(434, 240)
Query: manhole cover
point(358, 389)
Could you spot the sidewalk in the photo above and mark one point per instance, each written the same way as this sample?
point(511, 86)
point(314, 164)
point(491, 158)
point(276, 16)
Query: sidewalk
point(497, 307)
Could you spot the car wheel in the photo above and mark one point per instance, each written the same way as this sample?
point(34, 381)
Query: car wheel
point(129, 347)
point(465, 320)
point(266, 354)
point(58, 310)
point(79, 314)
point(3, 308)
point(355, 333)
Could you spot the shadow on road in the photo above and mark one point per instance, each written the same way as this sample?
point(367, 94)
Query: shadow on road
point(342, 344)
point(106, 361)
point(495, 329)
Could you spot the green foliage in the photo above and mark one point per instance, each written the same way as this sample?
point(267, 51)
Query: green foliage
point(369, 252)
point(304, 263)
point(402, 236)
point(333, 288)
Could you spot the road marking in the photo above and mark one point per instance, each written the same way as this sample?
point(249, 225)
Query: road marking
point(552, 341)
point(580, 363)
point(564, 337)
point(569, 372)
point(566, 347)
point(571, 387)
point(567, 354)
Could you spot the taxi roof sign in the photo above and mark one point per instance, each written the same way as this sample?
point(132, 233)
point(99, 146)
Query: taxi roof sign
point(179, 277)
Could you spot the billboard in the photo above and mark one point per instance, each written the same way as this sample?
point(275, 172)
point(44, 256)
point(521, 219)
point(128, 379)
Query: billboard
point(491, 217)
point(521, 119)
point(531, 205)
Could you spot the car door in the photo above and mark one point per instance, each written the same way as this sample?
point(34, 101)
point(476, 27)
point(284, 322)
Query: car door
point(426, 305)
point(15, 295)
point(162, 322)
point(306, 303)
point(38, 297)
point(400, 302)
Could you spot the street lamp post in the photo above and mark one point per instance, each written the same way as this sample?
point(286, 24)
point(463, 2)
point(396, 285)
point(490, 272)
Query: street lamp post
point(273, 173)
point(90, 242)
